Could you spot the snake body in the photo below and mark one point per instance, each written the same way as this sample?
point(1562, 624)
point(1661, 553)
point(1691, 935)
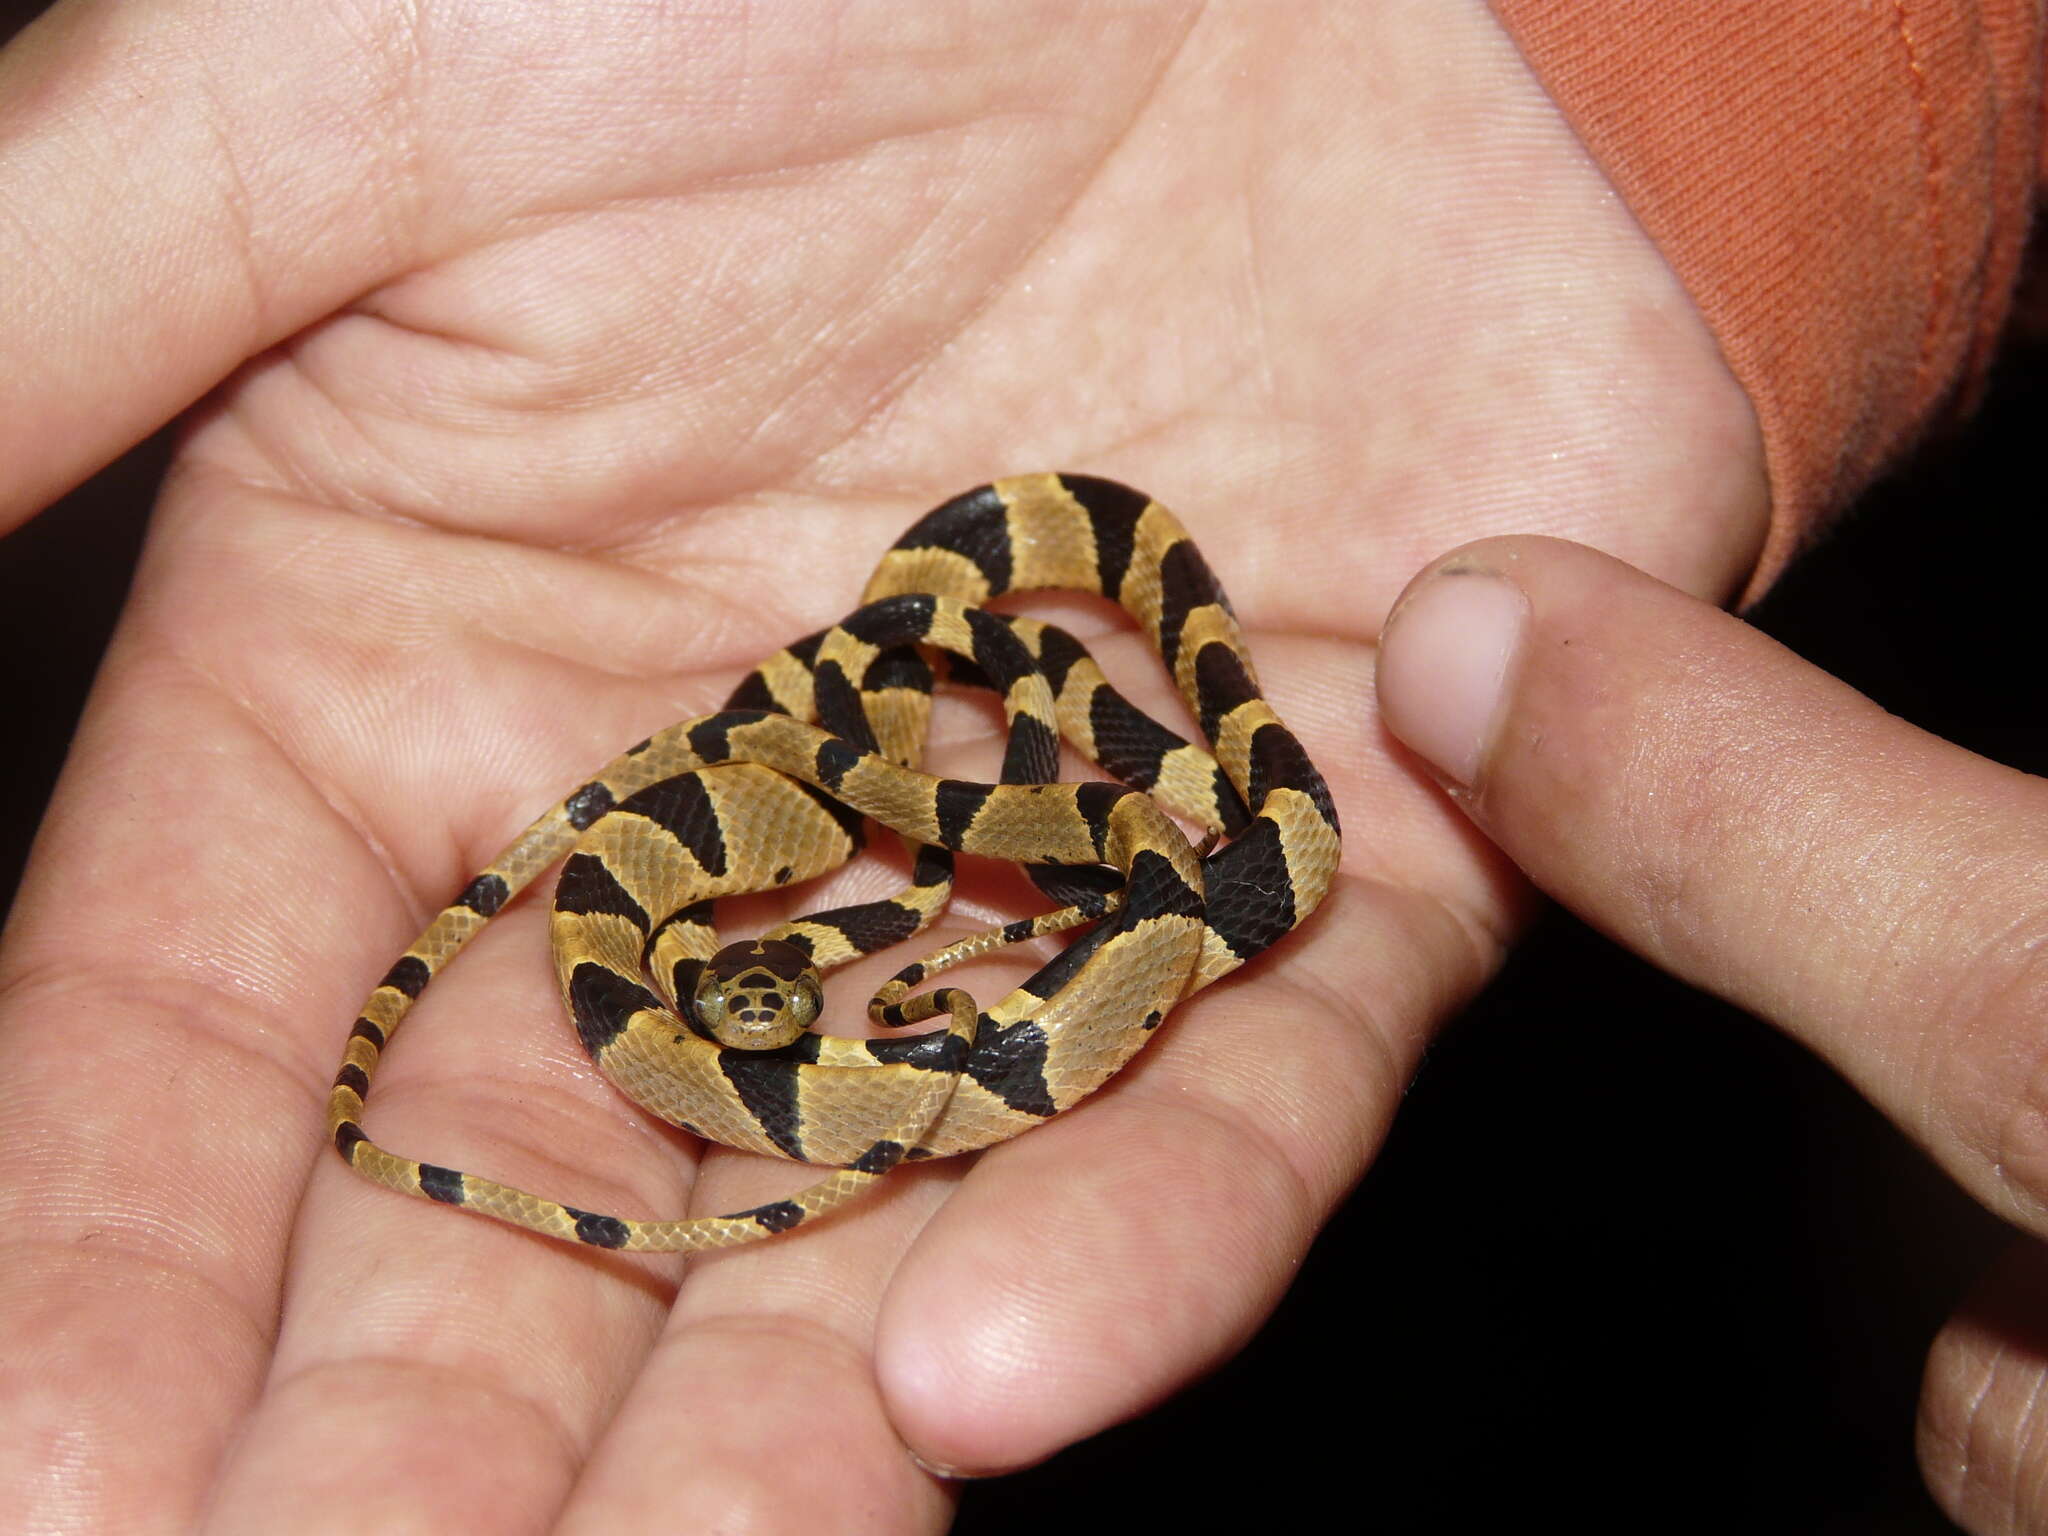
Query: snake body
point(759, 795)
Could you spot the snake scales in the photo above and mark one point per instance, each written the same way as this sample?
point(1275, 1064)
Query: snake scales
point(771, 791)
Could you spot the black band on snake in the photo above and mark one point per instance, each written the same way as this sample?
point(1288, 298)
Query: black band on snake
point(771, 791)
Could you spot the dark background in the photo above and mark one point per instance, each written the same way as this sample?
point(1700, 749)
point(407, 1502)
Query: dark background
point(1631, 1261)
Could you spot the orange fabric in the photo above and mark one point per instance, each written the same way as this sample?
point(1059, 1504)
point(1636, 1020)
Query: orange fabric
point(1844, 189)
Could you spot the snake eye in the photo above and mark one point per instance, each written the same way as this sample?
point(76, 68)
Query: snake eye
point(710, 1001)
point(806, 998)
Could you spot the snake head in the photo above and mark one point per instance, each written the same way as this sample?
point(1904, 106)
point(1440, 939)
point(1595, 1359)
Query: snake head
point(758, 995)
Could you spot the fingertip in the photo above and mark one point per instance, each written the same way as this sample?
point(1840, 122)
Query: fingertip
point(994, 1357)
point(1980, 1437)
point(1079, 1280)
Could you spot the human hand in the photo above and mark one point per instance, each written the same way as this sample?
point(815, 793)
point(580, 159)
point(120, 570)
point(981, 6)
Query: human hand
point(1755, 827)
point(564, 361)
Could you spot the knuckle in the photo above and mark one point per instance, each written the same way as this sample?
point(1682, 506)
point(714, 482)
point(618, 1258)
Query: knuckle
point(1990, 1055)
point(1982, 1437)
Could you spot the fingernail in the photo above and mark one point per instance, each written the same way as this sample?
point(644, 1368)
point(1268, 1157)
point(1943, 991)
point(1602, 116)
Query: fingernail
point(1444, 664)
point(941, 1470)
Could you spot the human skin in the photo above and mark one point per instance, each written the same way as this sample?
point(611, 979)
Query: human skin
point(553, 365)
point(1759, 829)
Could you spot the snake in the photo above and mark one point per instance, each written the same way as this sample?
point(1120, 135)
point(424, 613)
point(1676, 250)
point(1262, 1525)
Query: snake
point(774, 789)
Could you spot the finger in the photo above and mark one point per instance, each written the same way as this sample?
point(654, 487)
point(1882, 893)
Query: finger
point(434, 1370)
point(1982, 1439)
point(758, 1409)
point(180, 186)
point(1753, 826)
point(239, 849)
point(403, 1318)
point(1084, 1273)
point(1091, 1267)
point(156, 1099)
point(408, 1325)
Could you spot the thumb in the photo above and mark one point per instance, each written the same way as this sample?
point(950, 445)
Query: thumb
point(1752, 825)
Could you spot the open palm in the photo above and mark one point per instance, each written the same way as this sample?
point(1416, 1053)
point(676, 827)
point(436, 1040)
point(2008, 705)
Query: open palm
point(569, 361)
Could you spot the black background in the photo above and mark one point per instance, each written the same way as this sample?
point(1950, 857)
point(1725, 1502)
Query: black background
point(1630, 1261)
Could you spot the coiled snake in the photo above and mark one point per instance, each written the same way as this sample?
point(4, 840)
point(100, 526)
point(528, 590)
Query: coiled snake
point(762, 794)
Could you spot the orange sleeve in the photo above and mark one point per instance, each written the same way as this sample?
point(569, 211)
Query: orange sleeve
point(1844, 189)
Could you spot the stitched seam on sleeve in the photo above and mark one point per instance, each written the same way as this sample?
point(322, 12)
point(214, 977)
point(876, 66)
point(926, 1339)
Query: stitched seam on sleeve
point(1934, 170)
